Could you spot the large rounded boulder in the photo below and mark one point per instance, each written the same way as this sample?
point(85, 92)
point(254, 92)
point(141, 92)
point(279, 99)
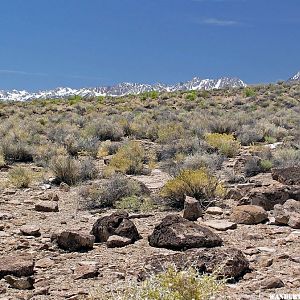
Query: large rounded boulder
point(177, 233)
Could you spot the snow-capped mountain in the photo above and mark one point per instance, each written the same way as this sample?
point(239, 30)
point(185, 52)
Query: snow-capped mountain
point(296, 77)
point(122, 89)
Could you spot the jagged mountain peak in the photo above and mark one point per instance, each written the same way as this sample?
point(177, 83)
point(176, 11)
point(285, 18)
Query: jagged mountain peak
point(123, 89)
point(296, 77)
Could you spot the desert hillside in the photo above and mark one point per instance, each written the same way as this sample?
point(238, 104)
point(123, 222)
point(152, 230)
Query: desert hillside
point(149, 196)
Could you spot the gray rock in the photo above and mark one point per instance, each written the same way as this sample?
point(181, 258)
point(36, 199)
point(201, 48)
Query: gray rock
point(5, 216)
point(15, 265)
point(23, 283)
point(214, 210)
point(115, 241)
point(271, 283)
point(294, 221)
point(267, 196)
point(47, 206)
point(192, 209)
point(221, 225)
point(87, 269)
point(288, 213)
point(30, 230)
point(74, 240)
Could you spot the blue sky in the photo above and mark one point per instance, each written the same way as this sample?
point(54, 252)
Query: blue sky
point(77, 43)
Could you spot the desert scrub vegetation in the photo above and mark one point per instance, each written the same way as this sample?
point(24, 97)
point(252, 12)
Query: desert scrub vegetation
point(128, 159)
point(20, 177)
point(2, 160)
point(171, 284)
point(112, 192)
point(71, 171)
point(199, 184)
point(226, 144)
point(190, 129)
point(136, 204)
point(286, 157)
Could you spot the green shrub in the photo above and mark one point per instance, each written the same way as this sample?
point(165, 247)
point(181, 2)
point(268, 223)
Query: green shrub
point(249, 92)
point(226, 144)
point(128, 159)
point(194, 183)
point(266, 165)
point(191, 96)
point(20, 177)
point(146, 95)
point(169, 285)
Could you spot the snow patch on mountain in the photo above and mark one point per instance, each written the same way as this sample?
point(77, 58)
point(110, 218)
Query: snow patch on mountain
point(122, 89)
point(296, 77)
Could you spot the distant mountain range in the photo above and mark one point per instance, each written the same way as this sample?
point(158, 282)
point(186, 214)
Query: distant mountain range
point(122, 89)
point(125, 88)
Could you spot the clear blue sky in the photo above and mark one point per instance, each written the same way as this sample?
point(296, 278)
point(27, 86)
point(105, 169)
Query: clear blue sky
point(77, 43)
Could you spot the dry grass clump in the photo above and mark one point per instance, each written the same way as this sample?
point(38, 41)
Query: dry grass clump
point(20, 177)
point(199, 184)
point(169, 285)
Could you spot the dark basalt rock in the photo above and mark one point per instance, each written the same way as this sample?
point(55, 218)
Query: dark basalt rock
point(115, 224)
point(224, 262)
point(289, 176)
point(177, 233)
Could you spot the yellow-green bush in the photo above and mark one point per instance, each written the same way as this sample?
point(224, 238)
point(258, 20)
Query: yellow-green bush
point(169, 285)
point(20, 177)
point(128, 159)
point(199, 184)
point(226, 144)
point(135, 203)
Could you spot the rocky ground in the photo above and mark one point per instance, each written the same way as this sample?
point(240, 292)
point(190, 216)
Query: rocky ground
point(33, 266)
